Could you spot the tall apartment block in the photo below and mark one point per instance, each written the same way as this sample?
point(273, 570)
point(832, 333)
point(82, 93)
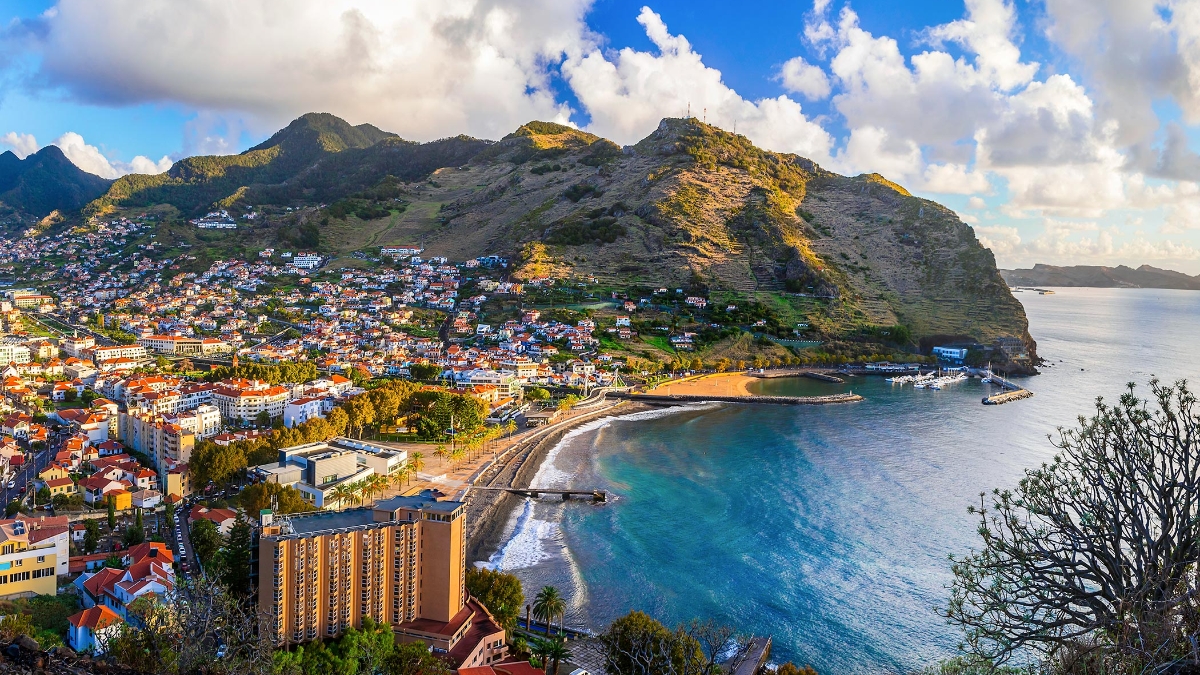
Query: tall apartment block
point(400, 561)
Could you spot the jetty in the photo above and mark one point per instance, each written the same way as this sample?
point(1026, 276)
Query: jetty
point(534, 492)
point(685, 399)
point(1012, 391)
point(824, 377)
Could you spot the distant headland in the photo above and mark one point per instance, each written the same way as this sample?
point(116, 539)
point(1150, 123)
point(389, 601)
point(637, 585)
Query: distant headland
point(1094, 276)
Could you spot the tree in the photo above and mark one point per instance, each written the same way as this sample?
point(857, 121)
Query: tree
point(414, 658)
point(636, 644)
point(424, 372)
point(42, 496)
point(70, 395)
point(551, 651)
point(790, 668)
point(183, 633)
point(216, 463)
point(237, 559)
point(1093, 557)
point(112, 513)
point(537, 394)
point(282, 499)
point(136, 533)
point(500, 592)
point(91, 536)
point(263, 419)
point(549, 605)
point(12, 508)
point(206, 540)
point(338, 421)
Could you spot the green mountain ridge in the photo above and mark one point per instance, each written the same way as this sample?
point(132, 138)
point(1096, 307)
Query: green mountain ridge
point(45, 181)
point(689, 206)
point(1096, 276)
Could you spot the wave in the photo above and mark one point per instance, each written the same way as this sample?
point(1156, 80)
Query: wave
point(527, 545)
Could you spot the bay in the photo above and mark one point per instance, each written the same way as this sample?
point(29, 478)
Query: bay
point(828, 527)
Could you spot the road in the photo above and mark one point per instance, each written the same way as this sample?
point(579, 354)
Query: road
point(32, 467)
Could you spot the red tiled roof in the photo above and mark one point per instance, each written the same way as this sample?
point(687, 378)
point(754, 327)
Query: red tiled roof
point(94, 617)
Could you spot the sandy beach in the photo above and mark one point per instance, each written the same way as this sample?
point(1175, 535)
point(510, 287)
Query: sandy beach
point(719, 384)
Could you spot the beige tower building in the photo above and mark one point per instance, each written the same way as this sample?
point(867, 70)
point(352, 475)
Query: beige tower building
point(401, 562)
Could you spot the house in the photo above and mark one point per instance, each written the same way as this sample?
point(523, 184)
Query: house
point(301, 410)
point(90, 629)
point(146, 499)
point(52, 472)
point(60, 486)
point(222, 518)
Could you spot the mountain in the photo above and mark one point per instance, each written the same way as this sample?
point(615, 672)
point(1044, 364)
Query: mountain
point(1101, 277)
point(46, 181)
point(690, 206)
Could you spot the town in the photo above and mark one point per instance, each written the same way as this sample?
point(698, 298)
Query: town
point(159, 423)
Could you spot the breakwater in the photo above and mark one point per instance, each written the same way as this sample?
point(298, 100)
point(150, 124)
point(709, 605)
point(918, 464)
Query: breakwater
point(683, 399)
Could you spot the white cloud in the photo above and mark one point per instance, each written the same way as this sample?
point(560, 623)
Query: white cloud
point(955, 179)
point(22, 145)
point(988, 32)
point(801, 77)
point(628, 92)
point(422, 69)
point(976, 203)
point(87, 157)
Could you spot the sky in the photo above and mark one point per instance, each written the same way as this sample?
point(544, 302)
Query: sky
point(1063, 131)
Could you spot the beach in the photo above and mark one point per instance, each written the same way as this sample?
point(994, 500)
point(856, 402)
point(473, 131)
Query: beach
point(719, 384)
point(488, 512)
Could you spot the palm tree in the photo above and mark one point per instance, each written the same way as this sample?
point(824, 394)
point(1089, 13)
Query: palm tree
point(510, 427)
point(553, 651)
point(416, 462)
point(342, 494)
point(376, 484)
point(356, 491)
point(547, 605)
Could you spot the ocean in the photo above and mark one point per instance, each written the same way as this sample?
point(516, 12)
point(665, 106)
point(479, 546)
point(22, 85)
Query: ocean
point(827, 528)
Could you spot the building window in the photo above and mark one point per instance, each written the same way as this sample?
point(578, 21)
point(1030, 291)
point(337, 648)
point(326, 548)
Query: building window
point(41, 558)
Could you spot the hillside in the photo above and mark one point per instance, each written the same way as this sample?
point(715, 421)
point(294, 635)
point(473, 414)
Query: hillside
point(1101, 277)
point(45, 181)
point(689, 206)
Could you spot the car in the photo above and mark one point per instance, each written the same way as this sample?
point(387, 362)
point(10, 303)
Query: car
point(12, 484)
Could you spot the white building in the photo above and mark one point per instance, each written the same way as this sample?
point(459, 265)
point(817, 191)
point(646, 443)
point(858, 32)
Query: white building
point(302, 410)
point(13, 353)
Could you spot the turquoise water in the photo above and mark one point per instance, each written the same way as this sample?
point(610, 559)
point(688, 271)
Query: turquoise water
point(828, 527)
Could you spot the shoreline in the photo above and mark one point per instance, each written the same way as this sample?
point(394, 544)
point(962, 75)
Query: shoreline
point(727, 385)
point(489, 511)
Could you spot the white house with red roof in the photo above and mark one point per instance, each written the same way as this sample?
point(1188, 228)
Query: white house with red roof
point(90, 629)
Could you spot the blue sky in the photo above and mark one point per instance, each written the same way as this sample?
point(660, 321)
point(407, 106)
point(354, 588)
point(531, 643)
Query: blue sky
point(1064, 131)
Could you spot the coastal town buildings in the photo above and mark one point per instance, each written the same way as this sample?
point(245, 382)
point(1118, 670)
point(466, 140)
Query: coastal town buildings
point(318, 470)
point(400, 562)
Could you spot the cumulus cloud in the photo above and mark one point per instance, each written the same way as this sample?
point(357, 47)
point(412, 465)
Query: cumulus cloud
point(628, 92)
point(90, 159)
point(801, 77)
point(421, 69)
point(22, 145)
point(87, 157)
point(1061, 243)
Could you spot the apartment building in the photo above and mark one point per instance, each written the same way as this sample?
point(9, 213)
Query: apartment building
point(204, 420)
point(401, 562)
point(301, 410)
point(132, 352)
point(243, 400)
point(77, 345)
point(26, 567)
point(12, 351)
point(165, 443)
point(175, 345)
